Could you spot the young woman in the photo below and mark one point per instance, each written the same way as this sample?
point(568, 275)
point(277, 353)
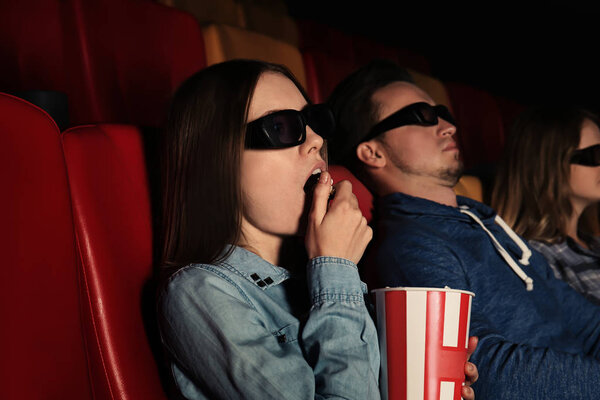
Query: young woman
point(249, 310)
point(548, 178)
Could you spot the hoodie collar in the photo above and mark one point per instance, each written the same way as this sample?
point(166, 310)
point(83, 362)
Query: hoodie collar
point(467, 210)
point(403, 203)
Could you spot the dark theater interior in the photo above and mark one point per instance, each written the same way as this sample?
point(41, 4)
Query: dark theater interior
point(84, 92)
point(526, 52)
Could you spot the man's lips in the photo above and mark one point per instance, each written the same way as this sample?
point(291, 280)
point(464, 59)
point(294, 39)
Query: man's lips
point(451, 146)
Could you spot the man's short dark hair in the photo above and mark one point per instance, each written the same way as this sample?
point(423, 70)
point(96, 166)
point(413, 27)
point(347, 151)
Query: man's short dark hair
point(353, 108)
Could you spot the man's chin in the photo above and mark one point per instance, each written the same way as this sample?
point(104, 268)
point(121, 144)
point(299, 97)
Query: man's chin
point(452, 175)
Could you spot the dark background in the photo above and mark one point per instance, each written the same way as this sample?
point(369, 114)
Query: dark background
point(529, 53)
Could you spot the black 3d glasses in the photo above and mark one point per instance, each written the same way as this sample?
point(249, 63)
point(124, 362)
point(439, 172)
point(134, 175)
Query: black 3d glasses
point(287, 128)
point(590, 156)
point(422, 114)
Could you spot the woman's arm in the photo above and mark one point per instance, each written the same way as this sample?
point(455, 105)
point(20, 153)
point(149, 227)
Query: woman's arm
point(340, 338)
point(222, 348)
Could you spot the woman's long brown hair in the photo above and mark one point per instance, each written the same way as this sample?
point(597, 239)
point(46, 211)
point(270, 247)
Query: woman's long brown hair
point(201, 153)
point(531, 191)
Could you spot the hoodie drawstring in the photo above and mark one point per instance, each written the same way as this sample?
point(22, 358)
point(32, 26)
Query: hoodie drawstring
point(526, 252)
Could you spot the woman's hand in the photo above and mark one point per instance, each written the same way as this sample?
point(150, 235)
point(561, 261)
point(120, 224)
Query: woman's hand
point(471, 372)
point(340, 231)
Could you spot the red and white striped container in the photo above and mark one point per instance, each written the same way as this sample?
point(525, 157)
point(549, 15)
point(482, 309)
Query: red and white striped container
point(423, 339)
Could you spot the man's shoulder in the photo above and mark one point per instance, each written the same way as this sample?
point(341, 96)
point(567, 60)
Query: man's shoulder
point(407, 236)
point(421, 226)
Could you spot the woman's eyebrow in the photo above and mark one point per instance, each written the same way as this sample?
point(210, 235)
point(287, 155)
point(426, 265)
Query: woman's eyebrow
point(268, 112)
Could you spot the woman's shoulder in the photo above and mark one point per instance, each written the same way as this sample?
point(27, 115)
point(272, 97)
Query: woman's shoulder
point(201, 274)
point(551, 251)
point(200, 280)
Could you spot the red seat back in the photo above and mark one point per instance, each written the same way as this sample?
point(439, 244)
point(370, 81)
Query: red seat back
point(112, 212)
point(364, 196)
point(32, 46)
point(328, 55)
point(42, 352)
point(136, 54)
point(323, 73)
point(117, 60)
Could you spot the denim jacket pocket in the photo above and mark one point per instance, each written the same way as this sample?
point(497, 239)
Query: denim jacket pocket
point(288, 334)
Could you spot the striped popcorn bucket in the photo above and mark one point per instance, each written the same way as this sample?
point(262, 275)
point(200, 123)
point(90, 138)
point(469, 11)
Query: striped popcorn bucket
point(423, 338)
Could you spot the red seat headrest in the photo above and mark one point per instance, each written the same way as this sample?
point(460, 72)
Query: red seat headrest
point(364, 196)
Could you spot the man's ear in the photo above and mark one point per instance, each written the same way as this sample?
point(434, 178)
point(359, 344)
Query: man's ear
point(371, 154)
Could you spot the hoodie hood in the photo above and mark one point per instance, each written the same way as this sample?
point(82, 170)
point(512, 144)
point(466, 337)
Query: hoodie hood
point(469, 211)
point(399, 203)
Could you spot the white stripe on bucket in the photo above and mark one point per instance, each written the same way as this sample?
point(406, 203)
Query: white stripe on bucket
point(446, 390)
point(416, 313)
point(468, 323)
point(451, 319)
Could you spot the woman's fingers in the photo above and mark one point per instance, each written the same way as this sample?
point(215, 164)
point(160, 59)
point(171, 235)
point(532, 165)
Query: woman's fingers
point(338, 229)
point(320, 198)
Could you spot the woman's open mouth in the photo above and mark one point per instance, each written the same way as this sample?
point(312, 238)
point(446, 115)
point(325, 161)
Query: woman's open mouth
point(312, 181)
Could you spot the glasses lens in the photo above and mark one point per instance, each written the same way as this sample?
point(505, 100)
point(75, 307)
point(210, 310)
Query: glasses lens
point(595, 154)
point(285, 128)
point(590, 156)
point(320, 119)
point(444, 113)
point(427, 114)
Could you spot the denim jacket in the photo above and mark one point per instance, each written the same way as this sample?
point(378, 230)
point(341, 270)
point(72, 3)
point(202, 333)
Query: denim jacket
point(247, 329)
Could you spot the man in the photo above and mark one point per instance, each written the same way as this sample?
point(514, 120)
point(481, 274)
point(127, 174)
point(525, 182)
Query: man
point(538, 338)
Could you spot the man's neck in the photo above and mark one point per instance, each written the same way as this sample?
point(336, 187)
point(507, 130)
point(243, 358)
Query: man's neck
point(429, 189)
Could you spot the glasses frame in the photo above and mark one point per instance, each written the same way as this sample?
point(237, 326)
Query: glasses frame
point(588, 156)
point(412, 114)
point(318, 116)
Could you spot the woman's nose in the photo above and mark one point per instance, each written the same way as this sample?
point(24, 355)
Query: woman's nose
point(313, 141)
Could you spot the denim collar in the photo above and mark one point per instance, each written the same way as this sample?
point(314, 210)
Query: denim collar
point(254, 268)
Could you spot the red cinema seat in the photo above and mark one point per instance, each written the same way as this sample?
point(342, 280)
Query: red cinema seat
point(113, 225)
point(42, 352)
point(270, 18)
point(324, 72)
point(364, 196)
point(32, 48)
point(136, 55)
point(328, 55)
point(365, 203)
point(225, 43)
point(117, 60)
point(228, 12)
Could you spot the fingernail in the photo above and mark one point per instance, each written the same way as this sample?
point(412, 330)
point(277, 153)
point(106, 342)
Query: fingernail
point(323, 177)
point(331, 192)
point(470, 367)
